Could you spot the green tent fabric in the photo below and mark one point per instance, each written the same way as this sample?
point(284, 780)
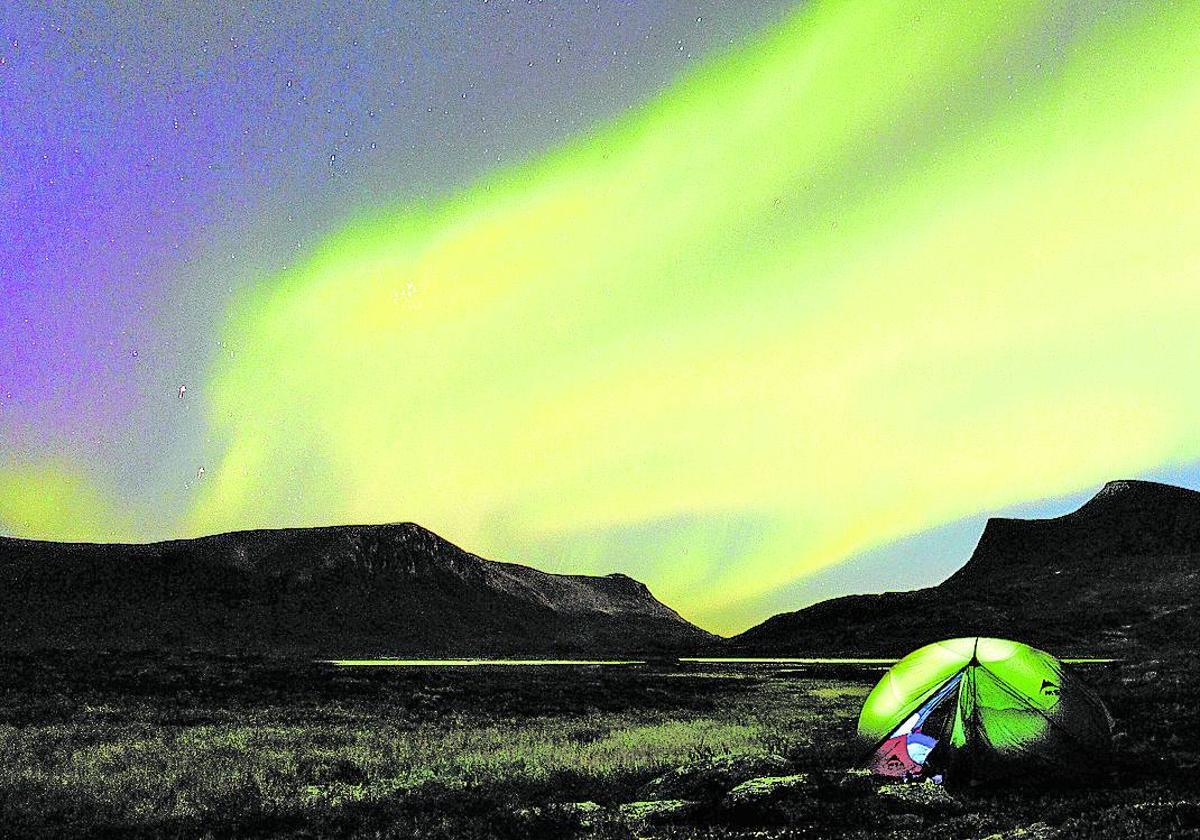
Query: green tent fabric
point(1014, 709)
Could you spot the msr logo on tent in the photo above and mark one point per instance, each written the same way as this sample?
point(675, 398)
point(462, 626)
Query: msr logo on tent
point(1049, 689)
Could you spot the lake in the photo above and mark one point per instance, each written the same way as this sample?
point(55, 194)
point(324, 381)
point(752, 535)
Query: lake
point(866, 663)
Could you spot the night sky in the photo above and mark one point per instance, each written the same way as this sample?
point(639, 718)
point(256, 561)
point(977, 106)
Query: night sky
point(759, 303)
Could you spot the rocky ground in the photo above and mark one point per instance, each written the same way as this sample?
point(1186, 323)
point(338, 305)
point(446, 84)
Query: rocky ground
point(724, 798)
point(208, 747)
point(1147, 793)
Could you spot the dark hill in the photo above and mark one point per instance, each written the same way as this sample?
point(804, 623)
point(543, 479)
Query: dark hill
point(1121, 573)
point(337, 591)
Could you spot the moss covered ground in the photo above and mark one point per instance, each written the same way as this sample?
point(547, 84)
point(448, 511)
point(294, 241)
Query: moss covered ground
point(142, 746)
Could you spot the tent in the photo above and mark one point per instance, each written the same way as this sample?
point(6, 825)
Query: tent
point(979, 708)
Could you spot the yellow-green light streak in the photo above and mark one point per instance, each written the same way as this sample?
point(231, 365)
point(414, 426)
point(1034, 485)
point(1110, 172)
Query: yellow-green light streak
point(50, 500)
point(892, 265)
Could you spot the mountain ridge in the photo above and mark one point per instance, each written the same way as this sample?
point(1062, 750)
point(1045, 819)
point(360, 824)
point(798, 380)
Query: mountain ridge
point(1118, 574)
point(335, 590)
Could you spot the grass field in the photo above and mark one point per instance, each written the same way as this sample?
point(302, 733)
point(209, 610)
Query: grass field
point(205, 747)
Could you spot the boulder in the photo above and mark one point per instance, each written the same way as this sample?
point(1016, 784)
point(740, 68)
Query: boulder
point(921, 798)
point(769, 798)
point(710, 778)
point(768, 787)
point(583, 814)
point(658, 811)
point(852, 783)
point(555, 818)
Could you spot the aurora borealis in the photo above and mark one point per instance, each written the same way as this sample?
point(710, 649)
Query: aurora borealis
point(867, 271)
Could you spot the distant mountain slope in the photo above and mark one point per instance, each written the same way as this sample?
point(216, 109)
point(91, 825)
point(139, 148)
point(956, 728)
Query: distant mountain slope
point(1121, 573)
point(338, 591)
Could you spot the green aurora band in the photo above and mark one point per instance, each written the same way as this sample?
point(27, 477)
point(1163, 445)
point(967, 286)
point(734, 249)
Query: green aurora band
point(889, 266)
